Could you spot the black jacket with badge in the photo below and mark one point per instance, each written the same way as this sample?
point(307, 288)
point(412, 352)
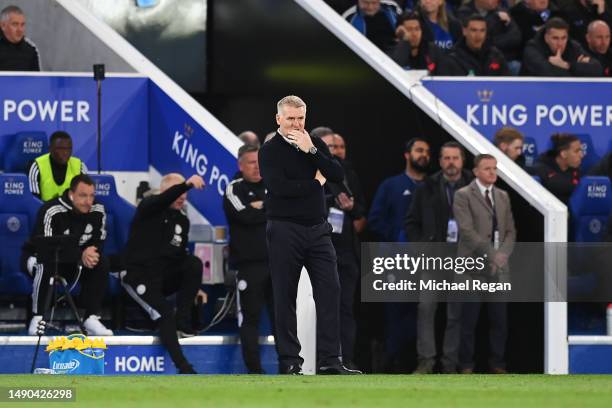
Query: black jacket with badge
point(58, 217)
point(429, 57)
point(247, 224)
point(428, 215)
point(560, 183)
point(488, 61)
point(158, 231)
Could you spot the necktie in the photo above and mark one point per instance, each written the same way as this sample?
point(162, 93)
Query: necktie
point(488, 199)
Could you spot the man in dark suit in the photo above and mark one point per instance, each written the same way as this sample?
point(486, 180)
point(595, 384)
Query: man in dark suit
point(295, 167)
point(486, 228)
point(430, 219)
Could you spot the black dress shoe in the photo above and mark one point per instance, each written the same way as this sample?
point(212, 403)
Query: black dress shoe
point(293, 369)
point(337, 370)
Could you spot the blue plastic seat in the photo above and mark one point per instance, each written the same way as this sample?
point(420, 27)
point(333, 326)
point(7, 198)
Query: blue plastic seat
point(18, 209)
point(590, 205)
point(23, 149)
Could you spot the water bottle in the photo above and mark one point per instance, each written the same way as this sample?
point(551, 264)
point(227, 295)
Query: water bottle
point(609, 319)
point(44, 371)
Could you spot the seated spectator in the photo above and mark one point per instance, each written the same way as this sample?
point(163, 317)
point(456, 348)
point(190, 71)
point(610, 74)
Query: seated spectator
point(559, 168)
point(51, 173)
point(412, 51)
point(598, 45)
point(376, 19)
point(531, 15)
point(580, 13)
point(502, 31)
point(552, 53)
point(17, 52)
point(439, 27)
point(472, 55)
point(510, 142)
point(249, 137)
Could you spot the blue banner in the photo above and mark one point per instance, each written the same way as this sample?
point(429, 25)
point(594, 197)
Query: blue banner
point(38, 103)
point(179, 144)
point(536, 108)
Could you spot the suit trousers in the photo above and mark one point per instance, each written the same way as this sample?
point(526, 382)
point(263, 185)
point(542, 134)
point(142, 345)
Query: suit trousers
point(292, 246)
point(498, 333)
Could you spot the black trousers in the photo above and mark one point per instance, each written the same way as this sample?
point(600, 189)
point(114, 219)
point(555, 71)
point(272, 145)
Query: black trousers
point(292, 246)
point(93, 285)
point(348, 273)
point(498, 333)
point(149, 285)
point(254, 291)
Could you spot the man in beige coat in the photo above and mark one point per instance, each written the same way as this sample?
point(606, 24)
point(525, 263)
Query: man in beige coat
point(486, 228)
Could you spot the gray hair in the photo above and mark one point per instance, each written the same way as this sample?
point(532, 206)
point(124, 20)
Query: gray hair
point(291, 100)
point(8, 10)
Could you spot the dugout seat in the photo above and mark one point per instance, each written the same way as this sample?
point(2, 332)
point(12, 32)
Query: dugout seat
point(590, 206)
point(18, 209)
point(530, 151)
point(23, 149)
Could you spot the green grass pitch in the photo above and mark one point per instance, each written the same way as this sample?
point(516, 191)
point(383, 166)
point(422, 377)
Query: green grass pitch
point(372, 391)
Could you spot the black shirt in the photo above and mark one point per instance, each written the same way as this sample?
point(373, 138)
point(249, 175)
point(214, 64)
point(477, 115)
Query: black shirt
point(22, 56)
point(158, 231)
point(288, 173)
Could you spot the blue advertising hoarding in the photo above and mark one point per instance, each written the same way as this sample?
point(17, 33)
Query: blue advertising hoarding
point(69, 103)
point(179, 144)
point(537, 108)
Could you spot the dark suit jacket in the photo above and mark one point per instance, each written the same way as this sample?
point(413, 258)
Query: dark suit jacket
point(427, 218)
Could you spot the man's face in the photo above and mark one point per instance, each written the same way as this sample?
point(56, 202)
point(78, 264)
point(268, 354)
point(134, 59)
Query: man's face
point(537, 5)
point(451, 162)
point(249, 166)
point(475, 34)
point(330, 142)
point(14, 28)
point(418, 157)
point(413, 31)
point(513, 149)
point(487, 5)
point(556, 39)
point(599, 38)
point(179, 203)
point(82, 198)
point(61, 150)
point(574, 154)
point(486, 171)
point(290, 118)
point(340, 147)
point(369, 7)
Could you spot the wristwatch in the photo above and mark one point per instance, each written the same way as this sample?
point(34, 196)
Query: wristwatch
point(312, 150)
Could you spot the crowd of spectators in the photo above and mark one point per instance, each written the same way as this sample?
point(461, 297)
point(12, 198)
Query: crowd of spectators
point(569, 38)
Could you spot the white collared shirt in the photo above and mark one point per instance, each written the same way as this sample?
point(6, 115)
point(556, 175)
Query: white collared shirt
point(484, 188)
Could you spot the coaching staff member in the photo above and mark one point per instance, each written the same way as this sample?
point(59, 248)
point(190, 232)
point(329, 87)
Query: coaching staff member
point(74, 213)
point(294, 168)
point(158, 263)
point(246, 215)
